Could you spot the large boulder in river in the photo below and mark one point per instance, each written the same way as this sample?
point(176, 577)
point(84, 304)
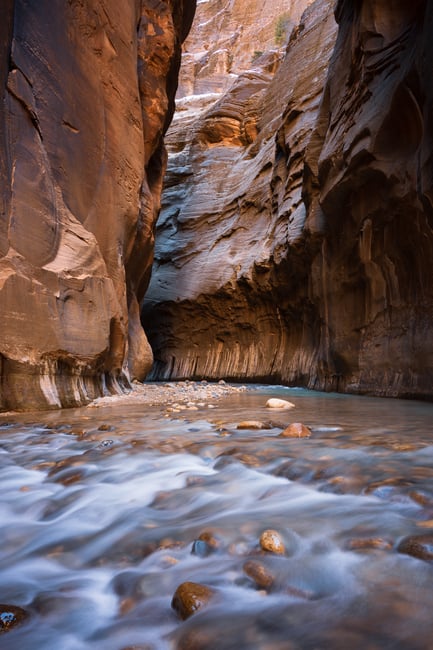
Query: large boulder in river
point(86, 94)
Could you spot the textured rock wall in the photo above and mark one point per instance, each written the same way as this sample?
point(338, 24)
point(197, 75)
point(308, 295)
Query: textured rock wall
point(296, 238)
point(228, 35)
point(372, 165)
point(88, 90)
point(229, 293)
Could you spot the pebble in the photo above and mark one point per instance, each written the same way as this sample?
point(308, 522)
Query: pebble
point(295, 430)
point(189, 597)
point(262, 577)
point(419, 546)
point(271, 542)
point(11, 616)
point(201, 548)
point(253, 424)
point(275, 403)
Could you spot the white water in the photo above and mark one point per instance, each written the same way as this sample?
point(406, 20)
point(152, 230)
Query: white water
point(97, 527)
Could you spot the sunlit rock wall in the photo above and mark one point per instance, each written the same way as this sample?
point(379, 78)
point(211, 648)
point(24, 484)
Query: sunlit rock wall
point(296, 238)
point(87, 92)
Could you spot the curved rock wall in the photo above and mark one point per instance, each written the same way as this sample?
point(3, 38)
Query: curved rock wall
point(296, 236)
point(88, 89)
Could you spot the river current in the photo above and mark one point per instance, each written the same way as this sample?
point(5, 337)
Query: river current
point(100, 510)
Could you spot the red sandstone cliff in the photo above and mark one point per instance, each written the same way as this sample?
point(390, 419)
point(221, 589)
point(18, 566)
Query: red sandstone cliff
point(86, 94)
point(296, 240)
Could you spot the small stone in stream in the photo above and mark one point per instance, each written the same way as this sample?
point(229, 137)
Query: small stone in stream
point(221, 382)
point(201, 548)
point(190, 597)
point(262, 577)
point(419, 546)
point(253, 424)
point(105, 427)
point(295, 430)
point(363, 544)
point(271, 542)
point(10, 617)
point(210, 538)
point(275, 403)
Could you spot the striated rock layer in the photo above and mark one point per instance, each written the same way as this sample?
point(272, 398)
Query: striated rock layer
point(87, 92)
point(296, 240)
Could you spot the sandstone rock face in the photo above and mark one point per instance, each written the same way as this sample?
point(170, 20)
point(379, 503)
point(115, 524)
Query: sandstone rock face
point(228, 36)
point(371, 176)
point(296, 238)
point(87, 91)
point(230, 282)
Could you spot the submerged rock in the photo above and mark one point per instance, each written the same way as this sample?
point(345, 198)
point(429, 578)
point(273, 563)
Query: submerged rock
point(254, 424)
point(369, 543)
point(261, 576)
point(190, 597)
point(419, 546)
point(11, 616)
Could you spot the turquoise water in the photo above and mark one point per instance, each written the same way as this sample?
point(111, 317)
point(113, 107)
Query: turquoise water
point(97, 526)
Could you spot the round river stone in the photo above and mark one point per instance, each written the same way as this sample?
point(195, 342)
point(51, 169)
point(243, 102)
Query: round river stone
point(271, 542)
point(190, 597)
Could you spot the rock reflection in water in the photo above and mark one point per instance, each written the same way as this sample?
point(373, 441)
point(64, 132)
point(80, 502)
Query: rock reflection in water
point(106, 512)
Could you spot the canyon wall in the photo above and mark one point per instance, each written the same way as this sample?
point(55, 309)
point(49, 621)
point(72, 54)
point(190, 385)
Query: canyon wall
point(295, 240)
point(87, 92)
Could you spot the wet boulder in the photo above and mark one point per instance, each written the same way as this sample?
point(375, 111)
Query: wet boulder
point(295, 430)
point(419, 546)
point(189, 597)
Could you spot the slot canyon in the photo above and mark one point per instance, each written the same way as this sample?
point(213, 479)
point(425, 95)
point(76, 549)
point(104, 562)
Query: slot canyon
point(216, 324)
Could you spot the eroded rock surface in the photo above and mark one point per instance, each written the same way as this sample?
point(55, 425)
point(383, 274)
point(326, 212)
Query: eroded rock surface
point(87, 91)
point(296, 237)
point(230, 284)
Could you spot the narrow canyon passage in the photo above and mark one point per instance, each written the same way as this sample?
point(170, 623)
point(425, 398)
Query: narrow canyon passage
point(293, 251)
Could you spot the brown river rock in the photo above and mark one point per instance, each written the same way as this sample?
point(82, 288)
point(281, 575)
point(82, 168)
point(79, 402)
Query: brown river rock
point(419, 546)
point(296, 238)
point(190, 597)
point(296, 430)
point(86, 94)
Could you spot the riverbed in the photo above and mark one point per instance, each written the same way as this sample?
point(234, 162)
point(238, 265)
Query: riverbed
point(103, 509)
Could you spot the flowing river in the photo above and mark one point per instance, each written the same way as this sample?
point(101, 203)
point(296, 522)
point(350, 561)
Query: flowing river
point(101, 511)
